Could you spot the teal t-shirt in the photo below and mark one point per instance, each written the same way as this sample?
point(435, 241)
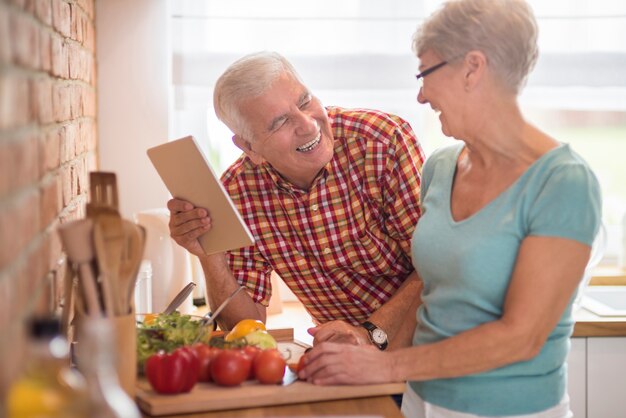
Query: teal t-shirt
point(466, 267)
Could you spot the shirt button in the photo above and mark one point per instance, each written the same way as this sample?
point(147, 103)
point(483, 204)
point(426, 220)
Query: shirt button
point(326, 250)
point(314, 207)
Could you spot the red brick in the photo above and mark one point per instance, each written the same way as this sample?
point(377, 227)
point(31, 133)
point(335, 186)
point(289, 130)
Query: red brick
point(61, 17)
point(19, 224)
point(43, 10)
point(56, 259)
point(87, 6)
point(14, 101)
point(5, 35)
point(36, 279)
point(76, 107)
point(60, 66)
point(82, 184)
point(7, 301)
point(66, 184)
point(61, 101)
point(89, 34)
point(42, 98)
point(50, 206)
point(22, 4)
point(45, 50)
point(21, 163)
point(76, 27)
point(50, 151)
point(4, 170)
point(76, 62)
point(25, 41)
point(89, 102)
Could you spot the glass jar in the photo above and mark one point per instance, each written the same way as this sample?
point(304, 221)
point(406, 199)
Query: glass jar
point(48, 386)
point(96, 360)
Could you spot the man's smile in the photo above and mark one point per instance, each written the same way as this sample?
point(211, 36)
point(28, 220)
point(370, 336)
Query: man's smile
point(311, 144)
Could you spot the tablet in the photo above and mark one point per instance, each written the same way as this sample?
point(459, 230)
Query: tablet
point(188, 175)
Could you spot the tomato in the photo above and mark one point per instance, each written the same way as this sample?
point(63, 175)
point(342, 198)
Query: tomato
point(205, 354)
point(171, 373)
point(230, 368)
point(251, 351)
point(269, 367)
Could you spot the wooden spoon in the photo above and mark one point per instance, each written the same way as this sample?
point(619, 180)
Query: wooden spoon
point(76, 237)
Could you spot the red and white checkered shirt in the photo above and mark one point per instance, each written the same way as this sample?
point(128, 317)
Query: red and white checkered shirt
point(342, 247)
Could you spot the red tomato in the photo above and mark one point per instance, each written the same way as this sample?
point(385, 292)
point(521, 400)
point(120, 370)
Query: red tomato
point(251, 351)
point(230, 368)
point(170, 373)
point(269, 367)
point(193, 369)
point(205, 354)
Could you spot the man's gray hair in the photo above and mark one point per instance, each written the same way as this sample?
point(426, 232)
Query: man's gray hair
point(247, 78)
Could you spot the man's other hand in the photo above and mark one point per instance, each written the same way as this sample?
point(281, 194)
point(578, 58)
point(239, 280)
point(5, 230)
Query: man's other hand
point(339, 332)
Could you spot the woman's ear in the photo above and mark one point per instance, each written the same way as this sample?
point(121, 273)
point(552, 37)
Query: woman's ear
point(475, 66)
point(246, 147)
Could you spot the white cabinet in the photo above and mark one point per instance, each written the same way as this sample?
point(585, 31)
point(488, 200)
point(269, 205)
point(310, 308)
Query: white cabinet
point(606, 377)
point(597, 377)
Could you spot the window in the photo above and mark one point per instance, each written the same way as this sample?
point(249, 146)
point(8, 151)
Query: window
point(356, 53)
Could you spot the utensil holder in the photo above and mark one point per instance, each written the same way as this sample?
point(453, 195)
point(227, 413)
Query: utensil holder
point(125, 334)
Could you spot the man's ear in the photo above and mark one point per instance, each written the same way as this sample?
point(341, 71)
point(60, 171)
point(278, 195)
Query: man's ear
point(246, 147)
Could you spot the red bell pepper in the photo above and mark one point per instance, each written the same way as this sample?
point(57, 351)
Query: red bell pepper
point(172, 373)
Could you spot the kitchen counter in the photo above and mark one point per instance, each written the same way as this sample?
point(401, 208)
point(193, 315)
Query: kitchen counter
point(382, 406)
point(589, 324)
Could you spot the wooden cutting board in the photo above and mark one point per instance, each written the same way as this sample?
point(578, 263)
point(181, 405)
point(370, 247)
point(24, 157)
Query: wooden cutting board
point(210, 397)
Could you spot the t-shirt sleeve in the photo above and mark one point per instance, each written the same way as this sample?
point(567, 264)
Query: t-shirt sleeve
point(568, 205)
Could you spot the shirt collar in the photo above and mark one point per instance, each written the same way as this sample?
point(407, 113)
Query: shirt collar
point(285, 185)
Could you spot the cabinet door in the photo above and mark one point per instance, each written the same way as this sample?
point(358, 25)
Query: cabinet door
point(606, 377)
point(577, 377)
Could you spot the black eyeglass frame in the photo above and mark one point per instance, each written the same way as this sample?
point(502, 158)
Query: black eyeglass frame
point(430, 70)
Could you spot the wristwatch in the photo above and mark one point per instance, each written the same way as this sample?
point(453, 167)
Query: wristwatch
point(378, 337)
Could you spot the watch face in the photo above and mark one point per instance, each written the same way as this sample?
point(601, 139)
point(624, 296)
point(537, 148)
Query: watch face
point(379, 336)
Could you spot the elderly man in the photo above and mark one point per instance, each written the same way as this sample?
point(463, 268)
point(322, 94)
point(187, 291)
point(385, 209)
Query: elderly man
point(331, 197)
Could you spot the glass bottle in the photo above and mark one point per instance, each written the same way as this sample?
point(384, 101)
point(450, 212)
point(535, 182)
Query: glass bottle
point(96, 361)
point(48, 387)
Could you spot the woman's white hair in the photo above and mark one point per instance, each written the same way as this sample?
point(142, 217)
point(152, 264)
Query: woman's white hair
point(246, 78)
point(504, 30)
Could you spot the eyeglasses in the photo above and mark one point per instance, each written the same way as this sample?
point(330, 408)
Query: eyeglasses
point(429, 70)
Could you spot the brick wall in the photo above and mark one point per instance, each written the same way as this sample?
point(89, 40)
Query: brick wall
point(47, 147)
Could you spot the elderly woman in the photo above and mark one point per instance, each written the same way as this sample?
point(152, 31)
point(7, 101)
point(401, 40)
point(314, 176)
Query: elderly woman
point(510, 214)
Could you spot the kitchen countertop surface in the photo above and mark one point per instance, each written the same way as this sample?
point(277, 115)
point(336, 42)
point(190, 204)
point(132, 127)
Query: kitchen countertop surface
point(378, 406)
point(589, 324)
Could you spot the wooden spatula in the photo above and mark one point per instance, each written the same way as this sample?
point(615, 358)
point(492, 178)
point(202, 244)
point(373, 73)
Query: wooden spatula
point(134, 243)
point(108, 236)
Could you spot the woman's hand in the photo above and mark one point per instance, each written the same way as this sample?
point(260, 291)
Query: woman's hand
point(341, 364)
point(187, 224)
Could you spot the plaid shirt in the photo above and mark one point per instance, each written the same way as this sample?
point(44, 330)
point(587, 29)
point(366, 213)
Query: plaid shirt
point(342, 247)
